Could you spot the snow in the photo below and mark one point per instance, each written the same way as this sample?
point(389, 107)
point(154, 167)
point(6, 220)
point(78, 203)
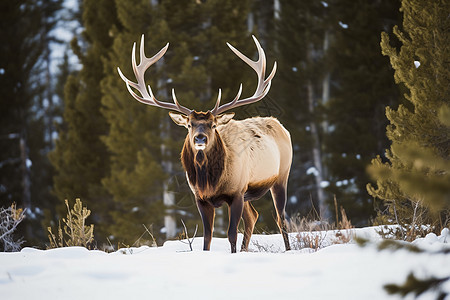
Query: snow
point(343, 25)
point(342, 271)
point(313, 171)
point(13, 136)
point(340, 183)
point(324, 184)
point(293, 199)
point(417, 63)
point(64, 32)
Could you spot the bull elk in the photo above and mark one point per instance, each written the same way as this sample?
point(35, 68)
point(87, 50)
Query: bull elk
point(227, 160)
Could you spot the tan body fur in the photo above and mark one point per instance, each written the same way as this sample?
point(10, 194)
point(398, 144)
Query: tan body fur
point(258, 153)
point(238, 162)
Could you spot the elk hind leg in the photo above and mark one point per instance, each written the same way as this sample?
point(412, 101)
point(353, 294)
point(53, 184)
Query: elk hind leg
point(250, 215)
point(279, 195)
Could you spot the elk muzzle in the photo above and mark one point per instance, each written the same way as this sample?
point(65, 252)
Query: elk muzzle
point(200, 141)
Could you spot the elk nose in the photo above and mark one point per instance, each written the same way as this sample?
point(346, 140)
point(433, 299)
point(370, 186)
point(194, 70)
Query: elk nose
point(200, 139)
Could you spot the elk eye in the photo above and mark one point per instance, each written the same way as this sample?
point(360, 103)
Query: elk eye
point(189, 126)
point(214, 126)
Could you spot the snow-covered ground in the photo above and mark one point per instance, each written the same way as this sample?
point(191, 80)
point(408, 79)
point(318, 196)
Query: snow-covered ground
point(345, 271)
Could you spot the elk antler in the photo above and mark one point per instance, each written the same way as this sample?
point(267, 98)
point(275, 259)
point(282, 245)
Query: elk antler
point(139, 70)
point(263, 84)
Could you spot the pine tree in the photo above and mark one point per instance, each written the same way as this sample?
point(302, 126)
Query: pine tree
point(24, 169)
point(80, 157)
point(135, 179)
point(363, 86)
point(64, 71)
point(416, 177)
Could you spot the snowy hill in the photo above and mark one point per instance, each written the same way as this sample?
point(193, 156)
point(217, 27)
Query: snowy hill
point(345, 271)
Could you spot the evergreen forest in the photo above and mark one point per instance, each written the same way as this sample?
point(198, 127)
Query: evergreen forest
point(363, 87)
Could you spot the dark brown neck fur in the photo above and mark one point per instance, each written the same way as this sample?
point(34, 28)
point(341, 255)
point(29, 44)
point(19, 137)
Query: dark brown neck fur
point(204, 169)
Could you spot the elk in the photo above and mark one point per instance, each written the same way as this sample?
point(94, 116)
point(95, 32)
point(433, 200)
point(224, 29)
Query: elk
point(228, 161)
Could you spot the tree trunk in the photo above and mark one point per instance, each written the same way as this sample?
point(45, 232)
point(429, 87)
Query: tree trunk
point(168, 196)
point(26, 181)
point(325, 81)
point(317, 156)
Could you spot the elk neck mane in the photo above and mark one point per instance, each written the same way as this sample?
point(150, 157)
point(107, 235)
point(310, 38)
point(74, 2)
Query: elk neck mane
point(204, 168)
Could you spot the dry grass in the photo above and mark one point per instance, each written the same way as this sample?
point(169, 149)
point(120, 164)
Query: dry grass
point(314, 233)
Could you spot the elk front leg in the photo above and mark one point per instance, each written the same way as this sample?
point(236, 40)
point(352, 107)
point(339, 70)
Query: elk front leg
point(235, 210)
point(207, 213)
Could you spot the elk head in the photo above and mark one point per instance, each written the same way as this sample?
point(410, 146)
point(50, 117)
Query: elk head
point(201, 125)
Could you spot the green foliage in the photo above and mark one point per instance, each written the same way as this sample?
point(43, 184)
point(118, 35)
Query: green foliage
point(133, 141)
point(25, 86)
point(418, 286)
point(427, 176)
point(80, 158)
point(75, 232)
point(417, 174)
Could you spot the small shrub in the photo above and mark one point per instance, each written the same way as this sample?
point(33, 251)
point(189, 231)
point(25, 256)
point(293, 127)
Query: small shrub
point(264, 247)
point(74, 232)
point(9, 220)
point(310, 240)
point(411, 220)
point(317, 234)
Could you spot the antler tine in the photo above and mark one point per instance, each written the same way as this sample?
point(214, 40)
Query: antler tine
point(238, 95)
point(263, 87)
point(139, 70)
point(260, 65)
point(216, 107)
point(219, 96)
point(180, 108)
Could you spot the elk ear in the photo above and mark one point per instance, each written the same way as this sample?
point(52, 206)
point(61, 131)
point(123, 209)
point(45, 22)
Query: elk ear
point(224, 118)
point(179, 119)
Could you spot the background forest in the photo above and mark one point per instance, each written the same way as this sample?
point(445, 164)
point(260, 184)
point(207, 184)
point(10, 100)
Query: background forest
point(369, 123)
